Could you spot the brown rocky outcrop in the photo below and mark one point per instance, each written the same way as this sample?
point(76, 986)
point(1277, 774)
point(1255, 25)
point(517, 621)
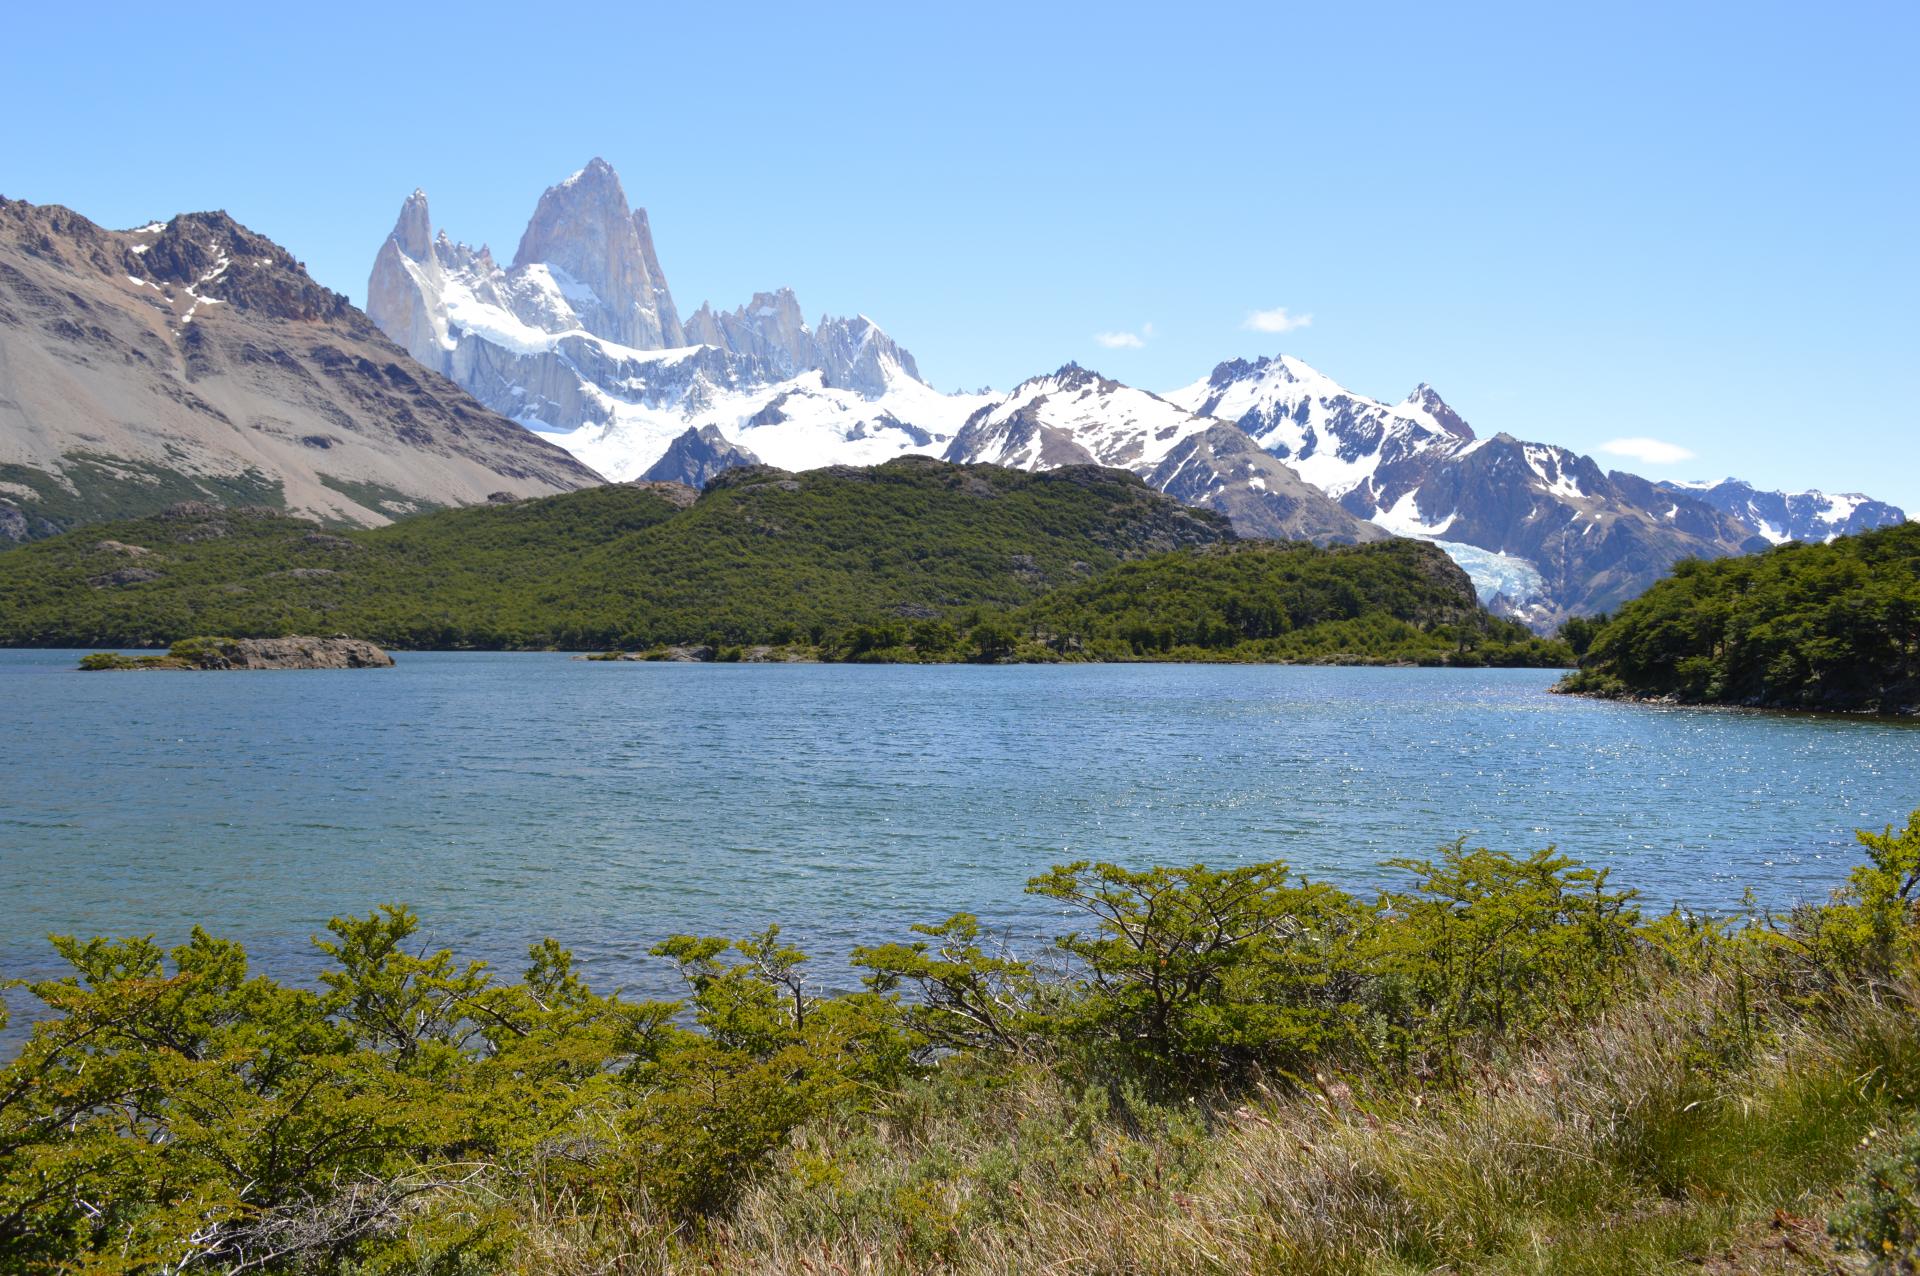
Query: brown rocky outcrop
point(253, 653)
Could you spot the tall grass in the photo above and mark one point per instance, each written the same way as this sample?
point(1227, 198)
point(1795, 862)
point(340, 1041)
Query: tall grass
point(1683, 1132)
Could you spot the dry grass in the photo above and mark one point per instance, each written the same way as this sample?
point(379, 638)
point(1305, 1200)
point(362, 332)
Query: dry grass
point(1677, 1136)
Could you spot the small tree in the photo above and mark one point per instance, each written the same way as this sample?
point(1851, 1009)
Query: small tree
point(1197, 972)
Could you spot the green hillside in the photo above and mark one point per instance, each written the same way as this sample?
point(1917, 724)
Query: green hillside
point(1398, 602)
point(915, 560)
point(1834, 626)
point(761, 557)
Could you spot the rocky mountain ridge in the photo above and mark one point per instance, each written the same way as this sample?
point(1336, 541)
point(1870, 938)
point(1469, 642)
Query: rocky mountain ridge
point(1078, 417)
point(580, 339)
point(1545, 532)
point(196, 359)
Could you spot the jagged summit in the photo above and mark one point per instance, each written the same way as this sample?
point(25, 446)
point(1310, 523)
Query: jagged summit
point(584, 230)
point(1793, 516)
point(413, 229)
point(580, 338)
point(1076, 416)
point(850, 354)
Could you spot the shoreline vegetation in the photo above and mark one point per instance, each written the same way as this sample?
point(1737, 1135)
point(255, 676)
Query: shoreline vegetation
point(1830, 628)
point(911, 561)
point(1501, 1064)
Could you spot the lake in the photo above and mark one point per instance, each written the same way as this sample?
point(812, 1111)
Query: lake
point(509, 796)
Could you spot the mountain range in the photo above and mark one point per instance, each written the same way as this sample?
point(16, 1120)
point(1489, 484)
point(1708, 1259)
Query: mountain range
point(194, 359)
point(579, 339)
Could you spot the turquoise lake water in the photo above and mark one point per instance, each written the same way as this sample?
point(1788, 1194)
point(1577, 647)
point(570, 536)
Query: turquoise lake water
point(512, 796)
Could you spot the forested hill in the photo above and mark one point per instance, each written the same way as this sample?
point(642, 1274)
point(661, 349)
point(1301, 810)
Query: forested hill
point(912, 560)
point(1833, 626)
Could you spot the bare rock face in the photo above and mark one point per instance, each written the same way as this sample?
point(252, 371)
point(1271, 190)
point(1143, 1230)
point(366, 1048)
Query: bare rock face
point(854, 354)
point(1224, 469)
point(195, 358)
point(697, 456)
point(252, 653)
point(283, 653)
point(584, 229)
point(405, 274)
point(770, 328)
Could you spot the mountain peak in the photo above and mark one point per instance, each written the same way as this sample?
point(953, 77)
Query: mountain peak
point(588, 210)
point(585, 226)
point(595, 170)
point(1427, 401)
point(413, 229)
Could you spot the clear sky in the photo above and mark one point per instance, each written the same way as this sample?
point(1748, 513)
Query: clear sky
point(1689, 224)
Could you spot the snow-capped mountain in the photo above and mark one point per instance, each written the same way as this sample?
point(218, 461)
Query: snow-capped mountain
point(1078, 417)
point(1347, 445)
point(580, 340)
point(1793, 516)
point(1544, 531)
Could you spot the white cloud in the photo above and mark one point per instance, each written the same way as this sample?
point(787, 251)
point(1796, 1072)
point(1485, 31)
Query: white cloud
point(1277, 320)
point(1125, 340)
point(1647, 451)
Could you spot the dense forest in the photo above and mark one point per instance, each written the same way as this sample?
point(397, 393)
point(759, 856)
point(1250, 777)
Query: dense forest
point(1833, 626)
point(1498, 1064)
point(913, 560)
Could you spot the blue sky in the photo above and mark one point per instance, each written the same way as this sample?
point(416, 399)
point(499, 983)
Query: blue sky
point(1694, 224)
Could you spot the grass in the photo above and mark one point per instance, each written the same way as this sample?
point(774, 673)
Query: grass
point(1613, 1150)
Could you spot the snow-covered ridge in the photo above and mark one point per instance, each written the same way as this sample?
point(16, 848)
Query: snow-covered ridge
point(580, 339)
point(1789, 516)
point(1073, 416)
point(1336, 439)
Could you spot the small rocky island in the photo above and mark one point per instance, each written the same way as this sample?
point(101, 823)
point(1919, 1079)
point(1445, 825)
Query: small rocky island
point(251, 653)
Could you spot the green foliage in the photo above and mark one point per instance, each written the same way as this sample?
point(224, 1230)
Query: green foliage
point(761, 557)
point(965, 997)
point(1873, 925)
point(1399, 601)
point(1881, 1219)
point(1493, 945)
point(910, 561)
point(1834, 626)
point(773, 1054)
point(1578, 632)
point(1192, 974)
point(101, 661)
point(196, 1116)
